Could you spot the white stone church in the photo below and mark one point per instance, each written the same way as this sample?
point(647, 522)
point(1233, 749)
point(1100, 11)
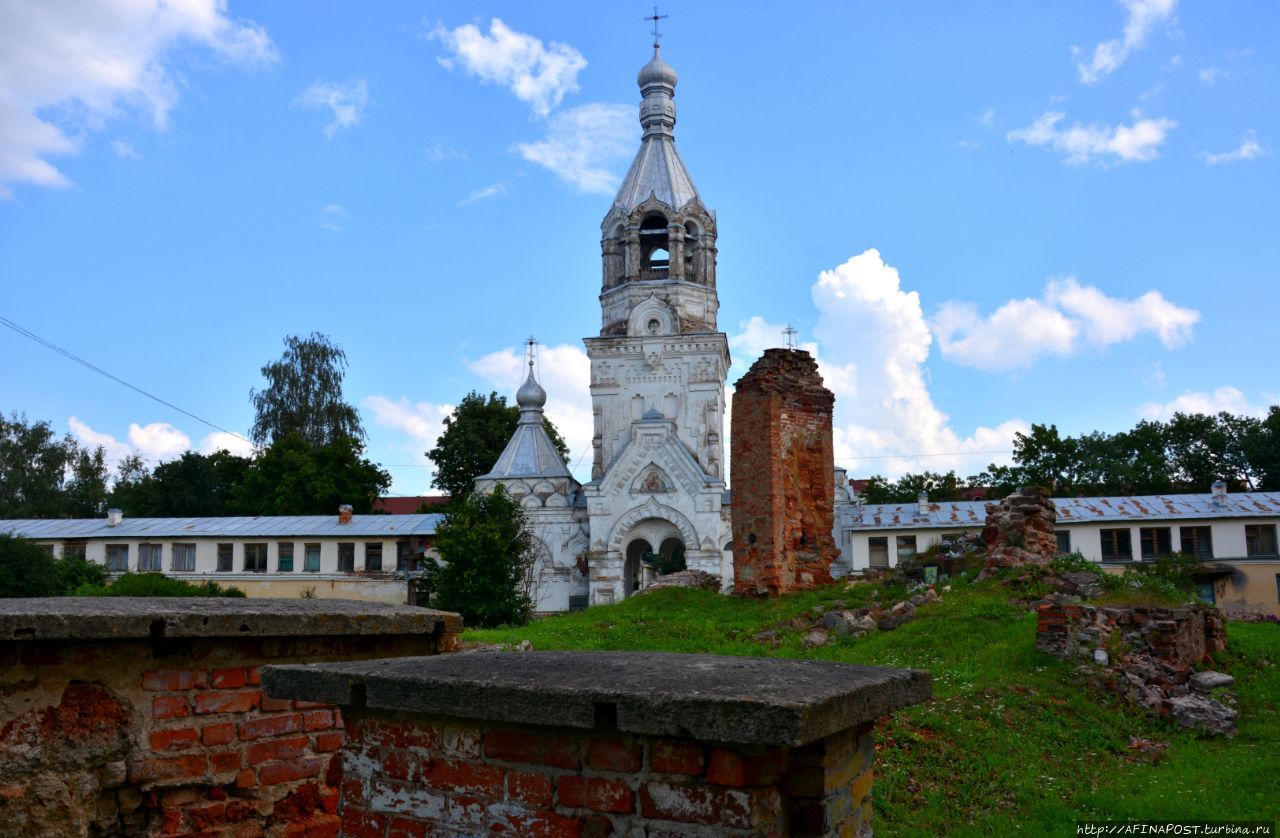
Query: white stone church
point(658, 371)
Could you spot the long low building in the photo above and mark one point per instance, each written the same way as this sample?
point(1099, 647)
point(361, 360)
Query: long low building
point(344, 556)
point(1233, 534)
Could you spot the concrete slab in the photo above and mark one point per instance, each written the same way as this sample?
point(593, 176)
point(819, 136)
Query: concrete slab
point(764, 701)
point(101, 618)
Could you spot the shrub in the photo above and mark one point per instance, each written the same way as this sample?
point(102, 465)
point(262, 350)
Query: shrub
point(488, 562)
point(26, 570)
point(75, 571)
point(156, 584)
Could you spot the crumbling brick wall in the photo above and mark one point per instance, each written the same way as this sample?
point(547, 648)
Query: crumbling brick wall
point(1183, 636)
point(425, 776)
point(783, 470)
point(173, 736)
point(1019, 529)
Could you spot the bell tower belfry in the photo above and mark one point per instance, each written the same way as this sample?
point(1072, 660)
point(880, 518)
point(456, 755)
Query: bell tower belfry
point(658, 367)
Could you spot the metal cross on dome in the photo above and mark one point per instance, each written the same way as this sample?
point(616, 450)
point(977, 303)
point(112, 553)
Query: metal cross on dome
point(790, 333)
point(530, 351)
point(655, 17)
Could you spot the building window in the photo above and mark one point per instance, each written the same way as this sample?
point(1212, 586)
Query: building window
point(73, 549)
point(117, 558)
point(1197, 541)
point(1260, 539)
point(149, 558)
point(373, 556)
point(255, 558)
point(346, 557)
point(879, 547)
point(284, 557)
point(1204, 591)
point(47, 549)
point(1116, 546)
point(906, 548)
point(311, 558)
point(1157, 542)
point(1063, 538)
point(404, 556)
point(224, 558)
point(184, 557)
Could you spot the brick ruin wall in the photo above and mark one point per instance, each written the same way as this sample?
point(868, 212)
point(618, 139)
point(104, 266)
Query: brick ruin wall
point(783, 463)
point(1020, 529)
point(410, 775)
point(172, 736)
point(1181, 636)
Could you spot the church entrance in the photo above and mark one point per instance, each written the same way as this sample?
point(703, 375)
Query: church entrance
point(655, 548)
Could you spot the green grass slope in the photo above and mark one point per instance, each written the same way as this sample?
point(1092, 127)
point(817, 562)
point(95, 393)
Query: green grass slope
point(1013, 742)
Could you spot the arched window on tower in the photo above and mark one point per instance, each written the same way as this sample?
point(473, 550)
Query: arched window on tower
point(655, 256)
point(692, 244)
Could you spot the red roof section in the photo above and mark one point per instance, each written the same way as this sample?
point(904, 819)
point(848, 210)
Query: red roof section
point(408, 506)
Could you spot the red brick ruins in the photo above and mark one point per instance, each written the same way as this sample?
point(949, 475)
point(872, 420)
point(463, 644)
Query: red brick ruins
point(145, 717)
point(783, 501)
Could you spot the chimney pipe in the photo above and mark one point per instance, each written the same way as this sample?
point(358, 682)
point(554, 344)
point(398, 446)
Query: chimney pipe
point(1219, 493)
point(344, 513)
point(114, 517)
point(922, 504)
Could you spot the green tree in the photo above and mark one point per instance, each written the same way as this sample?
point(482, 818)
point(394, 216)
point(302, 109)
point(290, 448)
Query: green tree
point(156, 584)
point(26, 570)
point(75, 571)
point(487, 558)
point(296, 477)
point(303, 395)
point(33, 463)
point(85, 492)
point(473, 439)
point(192, 486)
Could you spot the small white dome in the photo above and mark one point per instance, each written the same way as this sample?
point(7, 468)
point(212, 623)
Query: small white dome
point(531, 393)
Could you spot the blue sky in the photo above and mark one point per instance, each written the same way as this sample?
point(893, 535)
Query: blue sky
point(978, 214)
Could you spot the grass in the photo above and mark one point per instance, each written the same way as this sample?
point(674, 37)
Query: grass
point(1012, 742)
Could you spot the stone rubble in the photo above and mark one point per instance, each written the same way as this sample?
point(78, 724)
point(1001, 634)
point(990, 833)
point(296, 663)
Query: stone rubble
point(698, 579)
point(1019, 530)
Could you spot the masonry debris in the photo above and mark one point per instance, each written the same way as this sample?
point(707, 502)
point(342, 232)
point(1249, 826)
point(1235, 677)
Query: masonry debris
point(691, 578)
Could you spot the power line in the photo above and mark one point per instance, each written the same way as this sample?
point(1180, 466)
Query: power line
point(940, 454)
point(50, 345)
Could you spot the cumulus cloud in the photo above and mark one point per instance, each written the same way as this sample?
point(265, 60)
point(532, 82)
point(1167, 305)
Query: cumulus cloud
point(66, 69)
point(538, 74)
point(1249, 149)
point(1225, 398)
point(439, 152)
point(154, 442)
point(1138, 142)
point(124, 150)
point(223, 441)
point(1142, 16)
point(421, 422)
point(493, 190)
point(873, 342)
point(564, 371)
point(584, 146)
point(1066, 319)
point(345, 102)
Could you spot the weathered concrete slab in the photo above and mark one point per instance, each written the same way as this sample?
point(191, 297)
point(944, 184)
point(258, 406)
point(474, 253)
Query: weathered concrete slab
point(766, 701)
point(101, 618)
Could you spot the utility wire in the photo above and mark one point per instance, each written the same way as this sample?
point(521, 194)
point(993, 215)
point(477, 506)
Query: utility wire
point(50, 345)
point(939, 454)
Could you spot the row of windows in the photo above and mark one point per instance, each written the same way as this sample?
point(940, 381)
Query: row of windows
point(182, 557)
point(1117, 546)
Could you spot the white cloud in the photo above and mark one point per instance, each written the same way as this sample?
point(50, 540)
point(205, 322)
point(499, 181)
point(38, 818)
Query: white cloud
point(124, 150)
point(987, 119)
point(1249, 149)
point(564, 371)
point(874, 342)
point(493, 190)
point(1068, 318)
point(333, 218)
point(439, 152)
point(1225, 398)
point(154, 442)
point(83, 64)
point(583, 145)
point(221, 440)
point(1210, 76)
point(537, 73)
point(1138, 142)
point(1143, 16)
point(346, 102)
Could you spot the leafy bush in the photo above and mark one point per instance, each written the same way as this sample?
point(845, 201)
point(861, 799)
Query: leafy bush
point(75, 571)
point(156, 584)
point(488, 562)
point(26, 570)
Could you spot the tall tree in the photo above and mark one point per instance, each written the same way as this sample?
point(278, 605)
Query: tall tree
point(33, 464)
point(303, 395)
point(473, 439)
point(296, 477)
point(85, 493)
point(194, 485)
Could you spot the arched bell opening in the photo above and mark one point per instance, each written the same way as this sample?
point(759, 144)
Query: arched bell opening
point(639, 555)
point(655, 248)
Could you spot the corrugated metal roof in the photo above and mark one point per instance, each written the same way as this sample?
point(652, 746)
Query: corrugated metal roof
point(263, 526)
point(970, 514)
